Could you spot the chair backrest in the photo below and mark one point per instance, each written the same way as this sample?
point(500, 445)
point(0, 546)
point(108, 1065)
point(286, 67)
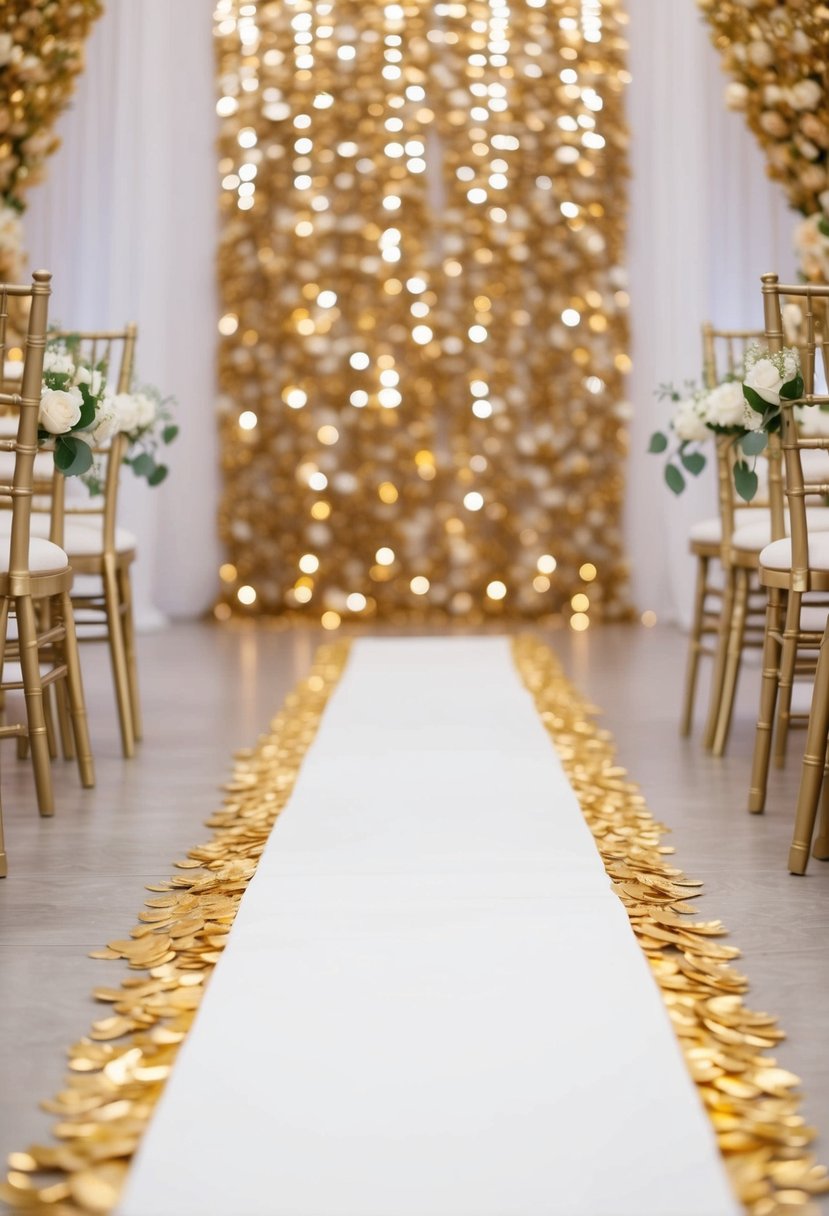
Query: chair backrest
point(27, 401)
point(723, 352)
point(115, 351)
point(814, 346)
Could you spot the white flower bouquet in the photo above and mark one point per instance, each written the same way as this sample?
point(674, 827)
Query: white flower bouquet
point(745, 406)
point(698, 415)
point(79, 413)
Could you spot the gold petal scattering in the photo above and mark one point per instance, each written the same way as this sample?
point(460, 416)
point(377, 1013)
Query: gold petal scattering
point(423, 331)
point(41, 53)
point(117, 1073)
point(778, 57)
point(753, 1104)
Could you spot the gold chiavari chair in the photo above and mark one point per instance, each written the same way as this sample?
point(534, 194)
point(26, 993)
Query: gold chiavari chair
point(87, 528)
point(742, 621)
point(794, 566)
point(710, 539)
point(34, 571)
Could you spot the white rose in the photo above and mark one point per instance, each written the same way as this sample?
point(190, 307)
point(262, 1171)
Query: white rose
point(805, 95)
point(688, 421)
point(724, 404)
point(94, 379)
point(145, 410)
point(59, 362)
point(801, 42)
point(6, 49)
point(766, 381)
point(125, 412)
point(60, 409)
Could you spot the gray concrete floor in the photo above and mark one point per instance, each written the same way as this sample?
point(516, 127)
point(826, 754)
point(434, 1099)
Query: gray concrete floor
point(79, 879)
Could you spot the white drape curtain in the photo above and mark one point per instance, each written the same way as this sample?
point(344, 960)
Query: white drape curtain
point(126, 220)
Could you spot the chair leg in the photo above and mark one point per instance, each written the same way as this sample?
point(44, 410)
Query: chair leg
point(77, 704)
point(118, 657)
point(814, 763)
point(49, 719)
point(694, 647)
point(67, 740)
point(820, 851)
point(33, 692)
point(717, 674)
point(43, 615)
point(733, 659)
point(768, 700)
point(125, 593)
point(788, 659)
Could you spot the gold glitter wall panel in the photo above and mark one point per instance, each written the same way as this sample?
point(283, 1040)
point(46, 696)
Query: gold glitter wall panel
point(423, 330)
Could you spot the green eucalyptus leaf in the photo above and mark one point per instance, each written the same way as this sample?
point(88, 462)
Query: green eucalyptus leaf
point(72, 456)
point(158, 475)
point(693, 462)
point(754, 443)
point(143, 465)
point(170, 432)
point(674, 478)
point(658, 443)
point(745, 481)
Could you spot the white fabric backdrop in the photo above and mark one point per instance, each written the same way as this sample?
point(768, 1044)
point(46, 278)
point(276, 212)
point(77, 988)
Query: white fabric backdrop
point(127, 222)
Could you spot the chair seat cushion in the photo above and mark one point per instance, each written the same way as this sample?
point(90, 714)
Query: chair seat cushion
point(709, 531)
point(778, 555)
point(44, 557)
point(755, 536)
point(84, 537)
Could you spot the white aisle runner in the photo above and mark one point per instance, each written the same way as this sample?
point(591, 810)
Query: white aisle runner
point(431, 1002)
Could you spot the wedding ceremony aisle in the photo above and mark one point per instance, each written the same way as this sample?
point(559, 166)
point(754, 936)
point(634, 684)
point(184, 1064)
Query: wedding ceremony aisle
point(392, 896)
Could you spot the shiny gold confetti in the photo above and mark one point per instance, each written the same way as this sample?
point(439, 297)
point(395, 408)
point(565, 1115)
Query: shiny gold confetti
point(117, 1074)
point(753, 1103)
point(423, 329)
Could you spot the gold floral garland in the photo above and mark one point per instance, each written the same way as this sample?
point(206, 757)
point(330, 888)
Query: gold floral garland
point(41, 53)
point(778, 56)
point(118, 1072)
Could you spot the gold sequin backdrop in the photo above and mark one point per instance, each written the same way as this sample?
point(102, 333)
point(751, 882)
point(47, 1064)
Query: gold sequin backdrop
point(423, 330)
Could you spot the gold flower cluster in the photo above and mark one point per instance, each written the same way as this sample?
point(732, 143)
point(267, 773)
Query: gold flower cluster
point(777, 55)
point(41, 53)
point(424, 327)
